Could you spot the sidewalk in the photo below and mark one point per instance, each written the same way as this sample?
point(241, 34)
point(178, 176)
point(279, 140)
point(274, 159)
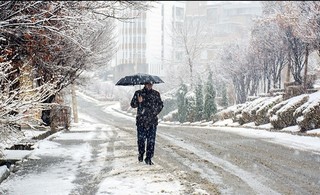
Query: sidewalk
point(20, 149)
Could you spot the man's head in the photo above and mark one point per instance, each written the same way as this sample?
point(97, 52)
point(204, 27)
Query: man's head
point(148, 85)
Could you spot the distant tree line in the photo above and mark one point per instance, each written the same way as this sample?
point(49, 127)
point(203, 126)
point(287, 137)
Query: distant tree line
point(284, 36)
point(281, 39)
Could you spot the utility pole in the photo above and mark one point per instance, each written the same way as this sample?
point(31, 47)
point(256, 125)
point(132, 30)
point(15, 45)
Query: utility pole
point(74, 103)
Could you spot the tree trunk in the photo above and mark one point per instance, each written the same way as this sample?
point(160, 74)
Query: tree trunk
point(191, 72)
point(306, 68)
point(74, 104)
point(288, 71)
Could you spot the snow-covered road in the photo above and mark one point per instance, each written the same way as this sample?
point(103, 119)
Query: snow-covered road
point(99, 156)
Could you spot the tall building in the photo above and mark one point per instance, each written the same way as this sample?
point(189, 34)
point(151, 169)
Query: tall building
point(222, 22)
point(145, 43)
point(226, 21)
point(196, 8)
point(230, 22)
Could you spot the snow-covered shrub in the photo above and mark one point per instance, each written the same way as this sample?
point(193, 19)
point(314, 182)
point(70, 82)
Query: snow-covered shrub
point(308, 114)
point(261, 113)
point(248, 114)
point(169, 99)
point(293, 90)
point(228, 113)
point(238, 113)
point(169, 105)
point(171, 116)
point(222, 115)
point(281, 115)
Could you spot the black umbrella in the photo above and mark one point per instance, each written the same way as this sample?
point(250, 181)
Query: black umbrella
point(139, 79)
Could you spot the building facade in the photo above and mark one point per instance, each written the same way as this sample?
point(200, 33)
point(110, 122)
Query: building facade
point(227, 21)
point(145, 43)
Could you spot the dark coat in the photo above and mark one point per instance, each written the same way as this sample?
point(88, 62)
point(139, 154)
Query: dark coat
point(148, 109)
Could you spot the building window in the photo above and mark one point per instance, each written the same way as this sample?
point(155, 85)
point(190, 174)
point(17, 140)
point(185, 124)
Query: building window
point(179, 13)
point(204, 55)
point(162, 10)
point(179, 55)
point(173, 12)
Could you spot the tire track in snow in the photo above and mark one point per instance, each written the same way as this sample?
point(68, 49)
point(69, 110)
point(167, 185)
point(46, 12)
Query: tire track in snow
point(245, 176)
point(102, 146)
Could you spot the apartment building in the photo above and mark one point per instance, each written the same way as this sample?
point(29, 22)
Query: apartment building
point(145, 43)
point(230, 22)
point(223, 22)
point(226, 21)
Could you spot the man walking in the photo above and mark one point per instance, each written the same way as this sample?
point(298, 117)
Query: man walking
point(149, 104)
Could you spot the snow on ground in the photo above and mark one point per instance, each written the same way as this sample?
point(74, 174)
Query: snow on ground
point(129, 175)
point(126, 175)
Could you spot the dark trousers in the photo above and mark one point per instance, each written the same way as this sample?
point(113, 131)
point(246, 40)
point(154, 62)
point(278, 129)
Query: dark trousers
point(148, 135)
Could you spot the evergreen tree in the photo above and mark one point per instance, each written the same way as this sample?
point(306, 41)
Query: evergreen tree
point(191, 106)
point(224, 101)
point(199, 100)
point(182, 108)
point(210, 107)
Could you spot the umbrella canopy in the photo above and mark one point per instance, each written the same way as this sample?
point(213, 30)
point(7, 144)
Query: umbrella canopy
point(139, 79)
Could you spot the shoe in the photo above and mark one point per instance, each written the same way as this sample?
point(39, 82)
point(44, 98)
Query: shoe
point(140, 157)
point(148, 161)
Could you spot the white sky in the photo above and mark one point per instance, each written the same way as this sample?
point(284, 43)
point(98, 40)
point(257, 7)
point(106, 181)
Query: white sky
point(127, 175)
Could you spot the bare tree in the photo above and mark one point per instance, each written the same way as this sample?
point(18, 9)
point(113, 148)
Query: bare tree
point(63, 38)
point(269, 45)
point(51, 42)
point(298, 53)
point(191, 36)
point(19, 105)
point(54, 35)
point(241, 68)
point(297, 48)
point(304, 19)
